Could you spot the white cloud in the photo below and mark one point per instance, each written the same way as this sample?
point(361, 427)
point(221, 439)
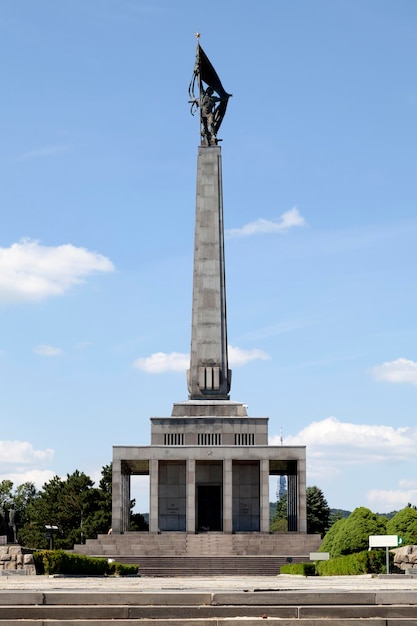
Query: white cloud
point(37, 477)
point(31, 271)
point(363, 457)
point(336, 443)
point(161, 362)
point(239, 357)
point(407, 483)
point(391, 499)
point(288, 220)
point(20, 454)
point(398, 371)
point(45, 350)
point(20, 462)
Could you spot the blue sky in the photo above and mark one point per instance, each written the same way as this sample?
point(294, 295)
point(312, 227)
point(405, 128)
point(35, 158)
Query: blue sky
point(97, 178)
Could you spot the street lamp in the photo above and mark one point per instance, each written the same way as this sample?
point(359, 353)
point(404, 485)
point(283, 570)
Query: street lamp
point(50, 530)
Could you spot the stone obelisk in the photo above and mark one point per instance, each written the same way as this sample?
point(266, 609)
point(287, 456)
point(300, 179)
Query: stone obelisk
point(209, 376)
point(209, 463)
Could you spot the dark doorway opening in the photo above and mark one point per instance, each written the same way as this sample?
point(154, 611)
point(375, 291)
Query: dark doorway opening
point(209, 507)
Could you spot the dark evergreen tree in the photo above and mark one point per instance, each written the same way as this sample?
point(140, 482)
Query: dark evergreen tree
point(279, 523)
point(330, 539)
point(74, 506)
point(6, 499)
point(24, 495)
point(352, 534)
point(138, 522)
point(318, 511)
point(404, 524)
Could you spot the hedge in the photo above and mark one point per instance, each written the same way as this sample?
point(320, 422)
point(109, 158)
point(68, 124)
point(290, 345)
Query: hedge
point(61, 562)
point(366, 562)
point(299, 569)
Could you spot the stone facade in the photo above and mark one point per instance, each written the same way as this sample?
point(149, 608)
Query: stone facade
point(209, 463)
point(13, 560)
point(209, 472)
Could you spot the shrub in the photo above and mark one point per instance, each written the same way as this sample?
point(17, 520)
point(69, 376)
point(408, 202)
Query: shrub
point(351, 535)
point(61, 562)
point(365, 562)
point(351, 565)
point(329, 542)
point(299, 569)
point(121, 569)
point(404, 523)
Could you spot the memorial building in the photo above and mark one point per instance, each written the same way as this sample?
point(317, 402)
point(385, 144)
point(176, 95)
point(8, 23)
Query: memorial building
point(209, 463)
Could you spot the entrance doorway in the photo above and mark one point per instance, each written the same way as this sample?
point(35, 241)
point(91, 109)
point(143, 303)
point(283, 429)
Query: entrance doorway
point(209, 507)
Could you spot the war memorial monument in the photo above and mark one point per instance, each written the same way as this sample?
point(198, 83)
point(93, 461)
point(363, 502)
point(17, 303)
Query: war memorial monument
point(208, 466)
point(209, 462)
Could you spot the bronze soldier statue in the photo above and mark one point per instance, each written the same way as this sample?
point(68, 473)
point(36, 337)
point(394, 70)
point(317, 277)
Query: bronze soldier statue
point(212, 107)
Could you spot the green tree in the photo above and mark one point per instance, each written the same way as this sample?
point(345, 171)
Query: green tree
point(105, 483)
point(279, 523)
point(336, 515)
point(352, 534)
point(74, 505)
point(329, 542)
point(41, 511)
point(138, 522)
point(6, 495)
point(6, 504)
point(318, 511)
point(98, 519)
point(6, 499)
point(404, 524)
point(24, 495)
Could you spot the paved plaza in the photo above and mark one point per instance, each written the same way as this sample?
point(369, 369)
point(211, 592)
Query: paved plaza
point(209, 584)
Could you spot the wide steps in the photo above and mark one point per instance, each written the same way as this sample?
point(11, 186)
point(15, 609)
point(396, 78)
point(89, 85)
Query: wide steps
point(200, 608)
point(208, 566)
point(189, 554)
point(210, 544)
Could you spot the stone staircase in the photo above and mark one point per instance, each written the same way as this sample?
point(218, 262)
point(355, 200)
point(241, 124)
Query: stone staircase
point(79, 607)
point(209, 565)
point(217, 554)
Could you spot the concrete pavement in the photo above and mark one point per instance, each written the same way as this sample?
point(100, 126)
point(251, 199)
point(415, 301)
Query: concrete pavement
point(212, 584)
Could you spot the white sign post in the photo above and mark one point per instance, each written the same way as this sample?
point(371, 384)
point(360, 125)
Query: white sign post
point(385, 541)
point(319, 556)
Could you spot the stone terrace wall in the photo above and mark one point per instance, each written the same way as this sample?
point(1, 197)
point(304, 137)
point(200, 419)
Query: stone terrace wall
point(12, 559)
point(405, 558)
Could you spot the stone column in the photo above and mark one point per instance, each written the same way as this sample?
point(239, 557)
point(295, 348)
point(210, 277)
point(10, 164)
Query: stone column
point(302, 498)
point(153, 495)
point(125, 484)
point(190, 496)
point(264, 495)
point(292, 503)
point(209, 376)
point(227, 495)
point(116, 497)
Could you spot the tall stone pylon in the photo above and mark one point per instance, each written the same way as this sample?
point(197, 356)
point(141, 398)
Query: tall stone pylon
point(209, 462)
point(209, 376)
